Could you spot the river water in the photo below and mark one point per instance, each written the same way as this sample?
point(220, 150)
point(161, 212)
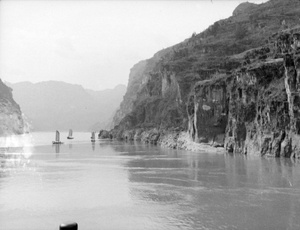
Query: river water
point(116, 185)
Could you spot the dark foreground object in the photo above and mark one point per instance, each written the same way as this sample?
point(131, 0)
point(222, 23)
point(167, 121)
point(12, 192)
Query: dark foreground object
point(68, 226)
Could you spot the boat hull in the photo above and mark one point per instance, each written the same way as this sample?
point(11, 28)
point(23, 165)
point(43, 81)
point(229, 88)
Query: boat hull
point(57, 142)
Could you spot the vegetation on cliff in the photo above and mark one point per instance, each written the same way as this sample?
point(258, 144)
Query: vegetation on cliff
point(235, 85)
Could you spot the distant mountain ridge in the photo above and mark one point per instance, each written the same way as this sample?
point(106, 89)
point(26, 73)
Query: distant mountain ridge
point(52, 105)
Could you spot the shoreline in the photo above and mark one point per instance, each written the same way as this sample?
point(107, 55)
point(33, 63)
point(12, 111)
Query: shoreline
point(167, 139)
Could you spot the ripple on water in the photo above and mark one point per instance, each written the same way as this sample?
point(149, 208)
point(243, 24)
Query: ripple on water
point(127, 186)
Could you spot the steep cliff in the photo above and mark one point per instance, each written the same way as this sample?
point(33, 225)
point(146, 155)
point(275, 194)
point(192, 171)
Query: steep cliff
point(234, 85)
point(11, 121)
point(256, 107)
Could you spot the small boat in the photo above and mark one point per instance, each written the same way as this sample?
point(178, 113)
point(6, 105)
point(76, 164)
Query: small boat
point(93, 137)
point(57, 138)
point(70, 134)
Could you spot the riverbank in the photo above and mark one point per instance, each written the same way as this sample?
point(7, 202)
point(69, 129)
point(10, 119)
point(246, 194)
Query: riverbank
point(173, 139)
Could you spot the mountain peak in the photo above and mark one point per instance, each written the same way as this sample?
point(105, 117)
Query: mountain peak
point(243, 8)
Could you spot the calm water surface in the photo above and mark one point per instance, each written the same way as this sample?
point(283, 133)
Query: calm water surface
point(114, 185)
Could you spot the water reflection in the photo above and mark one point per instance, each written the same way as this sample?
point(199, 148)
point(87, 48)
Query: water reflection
point(57, 149)
point(211, 170)
point(209, 189)
point(136, 185)
point(12, 159)
point(93, 146)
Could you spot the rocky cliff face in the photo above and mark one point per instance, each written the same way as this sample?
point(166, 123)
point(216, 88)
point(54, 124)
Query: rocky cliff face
point(134, 83)
point(264, 102)
point(234, 85)
point(11, 121)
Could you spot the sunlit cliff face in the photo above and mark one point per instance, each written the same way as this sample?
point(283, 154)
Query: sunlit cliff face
point(11, 119)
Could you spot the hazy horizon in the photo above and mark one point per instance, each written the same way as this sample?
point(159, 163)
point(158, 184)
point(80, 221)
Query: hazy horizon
point(65, 105)
point(95, 43)
point(61, 81)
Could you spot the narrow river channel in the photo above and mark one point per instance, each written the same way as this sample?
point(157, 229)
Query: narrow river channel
point(124, 185)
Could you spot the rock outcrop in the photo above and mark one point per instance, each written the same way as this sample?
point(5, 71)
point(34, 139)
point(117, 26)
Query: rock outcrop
point(104, 134)
point(236, 85)
point(11, 121)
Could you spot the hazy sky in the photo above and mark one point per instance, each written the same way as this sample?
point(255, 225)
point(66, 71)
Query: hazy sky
point(95, 43)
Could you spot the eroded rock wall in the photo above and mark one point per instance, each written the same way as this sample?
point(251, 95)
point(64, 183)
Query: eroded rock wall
point(207, 112)
point(264, 102)
point(257, 109)
point(259, 101)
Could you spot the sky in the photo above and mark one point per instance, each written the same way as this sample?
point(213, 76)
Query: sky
point(94, 43)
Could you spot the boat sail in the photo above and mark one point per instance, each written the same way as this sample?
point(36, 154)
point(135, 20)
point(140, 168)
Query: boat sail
point(93, 137)
point(70, 134)
point(57, 138)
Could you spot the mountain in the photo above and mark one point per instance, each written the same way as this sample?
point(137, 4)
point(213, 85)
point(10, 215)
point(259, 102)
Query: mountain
point(11, 120)
point(58, 105)
point(235, 85)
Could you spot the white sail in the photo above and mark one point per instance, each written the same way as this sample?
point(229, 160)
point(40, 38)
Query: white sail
point(70, 133)
point(57, 136)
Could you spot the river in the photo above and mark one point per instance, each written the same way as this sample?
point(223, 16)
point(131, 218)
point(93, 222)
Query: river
point(127, 186)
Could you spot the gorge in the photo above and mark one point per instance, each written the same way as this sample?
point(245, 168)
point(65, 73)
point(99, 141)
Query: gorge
point(206, 134)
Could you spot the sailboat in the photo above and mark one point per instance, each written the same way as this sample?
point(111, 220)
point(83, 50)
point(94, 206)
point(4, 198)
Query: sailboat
point(57, 138)
point(93, 137)
point(70, 134)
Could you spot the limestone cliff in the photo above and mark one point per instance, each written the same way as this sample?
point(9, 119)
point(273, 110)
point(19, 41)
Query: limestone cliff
point(256, 106)
point(135, 81)
point(11, 121)
point(235, 85)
